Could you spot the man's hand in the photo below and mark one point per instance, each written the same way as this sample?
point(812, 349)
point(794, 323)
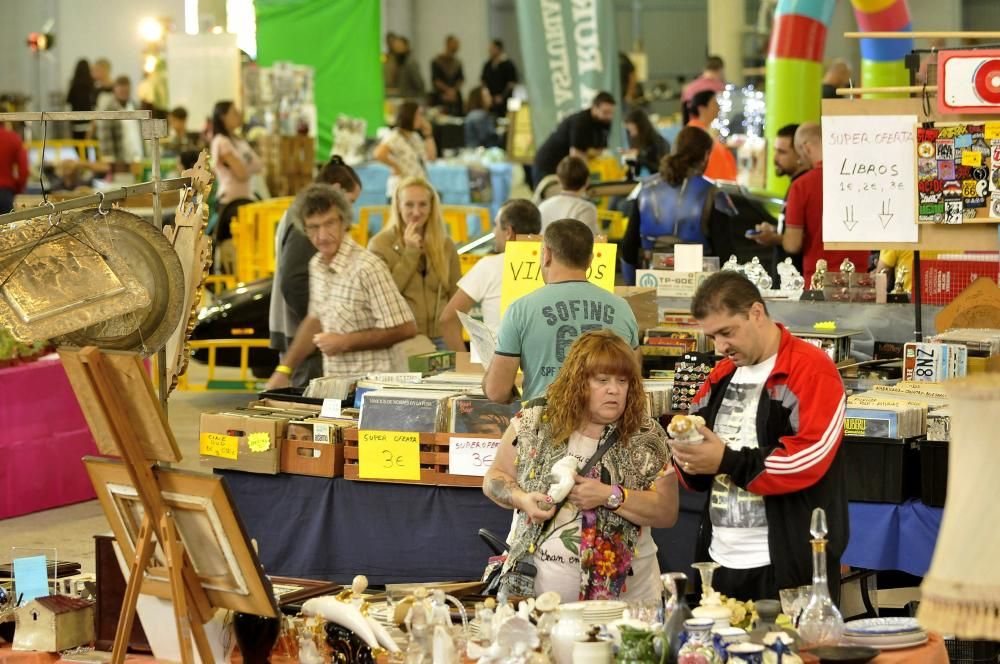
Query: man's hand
point(330, 343)
point(589, 493)
point(767, 235)
point(277, 381)
point(703, 458)
point(537, 507)
point(412, 237)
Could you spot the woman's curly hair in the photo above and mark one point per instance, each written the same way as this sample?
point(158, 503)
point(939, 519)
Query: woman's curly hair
point(595, 352)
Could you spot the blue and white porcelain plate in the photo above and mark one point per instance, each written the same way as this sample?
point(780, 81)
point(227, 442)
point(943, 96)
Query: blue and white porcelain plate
point(882, 626)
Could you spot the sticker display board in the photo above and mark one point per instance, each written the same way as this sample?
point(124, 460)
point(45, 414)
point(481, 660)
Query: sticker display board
point(958, 173)
point(868, 186)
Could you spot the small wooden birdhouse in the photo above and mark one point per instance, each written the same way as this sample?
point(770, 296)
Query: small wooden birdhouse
point(54, 623)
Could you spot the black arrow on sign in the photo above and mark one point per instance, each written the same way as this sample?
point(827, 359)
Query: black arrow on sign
point(849, 221)
point(886, 215)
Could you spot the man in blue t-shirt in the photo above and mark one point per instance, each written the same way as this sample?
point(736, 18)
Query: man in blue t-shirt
point(538, 329)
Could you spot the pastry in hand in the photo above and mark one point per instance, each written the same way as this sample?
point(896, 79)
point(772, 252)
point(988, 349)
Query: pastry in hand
point(684, 428)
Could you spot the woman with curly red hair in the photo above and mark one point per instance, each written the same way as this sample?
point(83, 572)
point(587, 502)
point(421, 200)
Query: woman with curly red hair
point(586, 546)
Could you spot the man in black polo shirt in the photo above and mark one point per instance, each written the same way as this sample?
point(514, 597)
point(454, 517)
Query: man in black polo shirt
point(581, 135)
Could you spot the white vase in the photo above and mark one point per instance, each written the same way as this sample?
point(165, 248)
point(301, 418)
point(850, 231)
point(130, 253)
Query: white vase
point(567, 631)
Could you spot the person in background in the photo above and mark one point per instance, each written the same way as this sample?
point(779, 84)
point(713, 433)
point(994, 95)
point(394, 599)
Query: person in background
point(409, 81)
point(290, 285)
point(771, 454)
point(499, 77)
point(390, 66)
point(646, 146)
point(571, 202)
point(703, 110)
point(537, 330)
point(629, 81)
point(608, 515)
point(786, 163)
point(356, 314)
point(838, 75)
point(100, 71)
point(583, 134)
point(712, 78)
point(804, 211)
point(121, 142)
point(480, 126)
point(891, 260)
point(234, 163)
point(13, 167)
point(178, 138)
point(421, 257)
point(82, 96)
point(481, 284)
point(408, 147)
point(447, 78)
point(675, 206)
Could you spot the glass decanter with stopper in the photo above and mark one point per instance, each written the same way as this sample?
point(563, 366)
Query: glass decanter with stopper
point(820, 623)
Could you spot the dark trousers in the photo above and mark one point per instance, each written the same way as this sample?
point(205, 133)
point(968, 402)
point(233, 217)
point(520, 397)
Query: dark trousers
point(6, 200)
point(746, 584)
point(758, 583)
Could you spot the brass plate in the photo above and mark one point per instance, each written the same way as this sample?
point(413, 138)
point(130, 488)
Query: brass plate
point(155, 264)
point(58, 279)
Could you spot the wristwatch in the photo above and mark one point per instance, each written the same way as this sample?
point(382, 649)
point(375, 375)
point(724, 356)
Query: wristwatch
point(616, 498)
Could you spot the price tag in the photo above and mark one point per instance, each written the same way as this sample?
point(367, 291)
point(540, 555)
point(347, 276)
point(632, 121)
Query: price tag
point(219, 445)
point(331, 408)
point(992, 131)
point(388, 455)
point(471, 456)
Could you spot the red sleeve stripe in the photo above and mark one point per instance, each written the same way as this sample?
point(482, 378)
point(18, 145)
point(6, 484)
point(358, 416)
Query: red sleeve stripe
point(813, 454)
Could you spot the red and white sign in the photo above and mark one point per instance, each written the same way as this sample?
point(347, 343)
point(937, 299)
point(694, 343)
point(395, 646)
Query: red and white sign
point(969, 81)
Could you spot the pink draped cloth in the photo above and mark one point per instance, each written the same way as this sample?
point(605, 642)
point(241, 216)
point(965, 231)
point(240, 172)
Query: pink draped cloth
point(43, 435)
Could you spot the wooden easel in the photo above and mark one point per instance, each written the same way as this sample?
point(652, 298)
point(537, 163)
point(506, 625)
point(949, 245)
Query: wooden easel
point(192, 608)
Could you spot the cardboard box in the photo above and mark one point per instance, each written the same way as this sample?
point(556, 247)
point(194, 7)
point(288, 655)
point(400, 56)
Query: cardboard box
point(434, 362)
point(251, 443)
point(464, 364)
point(643, 304)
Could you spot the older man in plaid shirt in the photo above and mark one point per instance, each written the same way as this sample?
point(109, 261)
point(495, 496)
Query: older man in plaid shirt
point(356, 313)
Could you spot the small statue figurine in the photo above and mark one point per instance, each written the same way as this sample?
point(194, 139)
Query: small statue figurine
point(901, 273)
point(756, 273)
point(732, 265)
point(791, 280)
point(847, 267)
point(819, 276)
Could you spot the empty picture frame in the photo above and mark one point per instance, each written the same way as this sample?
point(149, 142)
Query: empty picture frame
point(130, 382)
point(209, 527)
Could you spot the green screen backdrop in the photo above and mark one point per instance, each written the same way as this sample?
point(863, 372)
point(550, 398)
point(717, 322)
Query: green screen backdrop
point(341, 41)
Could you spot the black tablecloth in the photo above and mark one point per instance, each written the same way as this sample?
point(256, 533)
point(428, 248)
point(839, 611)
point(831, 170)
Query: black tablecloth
point(332, 529)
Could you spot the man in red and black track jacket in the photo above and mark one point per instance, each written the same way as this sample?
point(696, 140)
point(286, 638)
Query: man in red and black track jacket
point(774, 419)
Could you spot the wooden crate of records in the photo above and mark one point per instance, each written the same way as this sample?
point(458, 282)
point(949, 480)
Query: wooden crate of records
point(434, 460)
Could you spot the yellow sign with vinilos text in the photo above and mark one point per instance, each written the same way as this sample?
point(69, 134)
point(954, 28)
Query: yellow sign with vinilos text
point(522, 270)
point(219, 445)
point(388, 455)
